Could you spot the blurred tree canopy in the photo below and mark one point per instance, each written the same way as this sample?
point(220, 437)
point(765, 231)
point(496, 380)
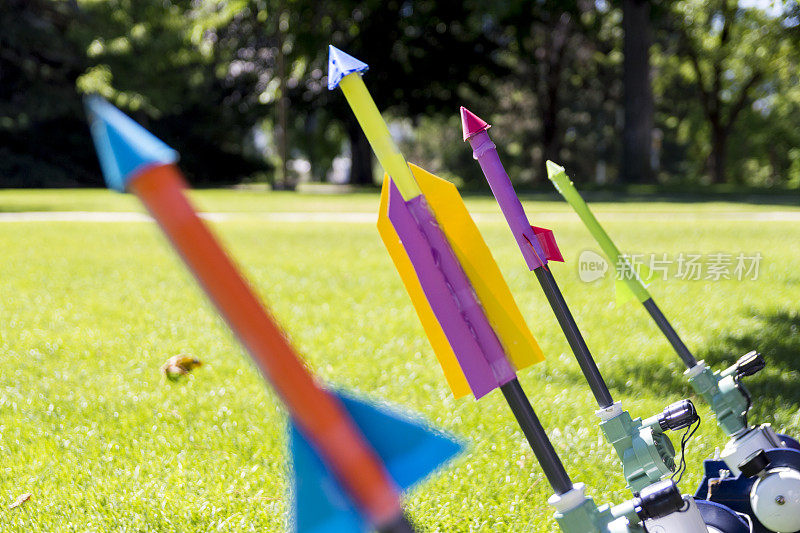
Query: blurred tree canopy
point(740, 70)
point(239, 86)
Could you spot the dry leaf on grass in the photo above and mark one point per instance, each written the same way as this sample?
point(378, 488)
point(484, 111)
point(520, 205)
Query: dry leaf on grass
point(179, 365)
point(21, 500)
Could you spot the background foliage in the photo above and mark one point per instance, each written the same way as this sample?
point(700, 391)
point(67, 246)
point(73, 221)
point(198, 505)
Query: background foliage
point(239, 86)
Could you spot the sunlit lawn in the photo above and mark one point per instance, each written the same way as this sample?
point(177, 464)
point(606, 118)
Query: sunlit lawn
point(261, 201)
point(89, 312)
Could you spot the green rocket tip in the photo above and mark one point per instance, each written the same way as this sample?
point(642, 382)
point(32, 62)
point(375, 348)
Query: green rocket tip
point(553, 169)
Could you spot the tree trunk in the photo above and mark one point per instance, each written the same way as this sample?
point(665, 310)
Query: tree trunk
point(283, 182)
point(360, 156)
point(719, 153)
point(638, 129)
point(551, 143)
point(548, 97)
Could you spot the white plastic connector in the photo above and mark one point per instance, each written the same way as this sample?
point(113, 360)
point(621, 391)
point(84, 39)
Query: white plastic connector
point(696, 369)
point(612, 411)
point(570, 499)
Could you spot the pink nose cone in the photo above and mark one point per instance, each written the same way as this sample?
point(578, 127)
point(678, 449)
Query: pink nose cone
point(471, 123)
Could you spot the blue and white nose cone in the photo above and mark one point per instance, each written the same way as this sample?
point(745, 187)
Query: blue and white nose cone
point(340, 65)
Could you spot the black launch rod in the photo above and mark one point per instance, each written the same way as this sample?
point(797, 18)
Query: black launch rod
point(670, 333)
point(534, 432)
point(574, 337)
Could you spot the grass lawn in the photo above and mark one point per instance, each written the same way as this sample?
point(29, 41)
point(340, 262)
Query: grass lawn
point(260, 201)
point(89, 312)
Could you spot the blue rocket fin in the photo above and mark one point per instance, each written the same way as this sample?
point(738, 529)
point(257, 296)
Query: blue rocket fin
point(123, 146)
point(409, 450)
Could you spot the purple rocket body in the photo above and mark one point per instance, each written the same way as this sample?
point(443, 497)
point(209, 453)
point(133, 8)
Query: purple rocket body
point(529, 239)
point(450, 294)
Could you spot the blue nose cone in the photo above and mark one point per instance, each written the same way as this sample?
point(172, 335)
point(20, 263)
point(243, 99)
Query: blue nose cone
point(340, 65)
point(123, 146)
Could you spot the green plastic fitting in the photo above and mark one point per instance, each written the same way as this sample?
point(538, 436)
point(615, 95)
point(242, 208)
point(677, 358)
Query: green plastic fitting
point(578, 513)
point(646, 452)
point(727, 398)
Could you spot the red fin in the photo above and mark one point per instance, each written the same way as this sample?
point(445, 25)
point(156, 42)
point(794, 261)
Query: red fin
point(548, 242)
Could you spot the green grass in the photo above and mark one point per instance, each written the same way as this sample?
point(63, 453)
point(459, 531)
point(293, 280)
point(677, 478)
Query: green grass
point(259, 201)
point(90, 312)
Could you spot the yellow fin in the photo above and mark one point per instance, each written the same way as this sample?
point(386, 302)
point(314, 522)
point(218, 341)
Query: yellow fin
point(441, 347)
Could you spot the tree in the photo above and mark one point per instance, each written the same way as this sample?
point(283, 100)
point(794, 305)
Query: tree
point(188, 71)
point(422, 56)
point(732, 54)
point(637, 137)
point(43, 139)
point(563, 79)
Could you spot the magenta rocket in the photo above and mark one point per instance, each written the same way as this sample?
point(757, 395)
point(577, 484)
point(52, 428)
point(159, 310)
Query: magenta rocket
point(536, 244)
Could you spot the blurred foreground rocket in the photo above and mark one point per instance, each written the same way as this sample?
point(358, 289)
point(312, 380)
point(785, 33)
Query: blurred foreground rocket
point(350, 459)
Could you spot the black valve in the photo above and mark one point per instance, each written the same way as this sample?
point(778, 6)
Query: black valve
point(657, 500)
point(749, 364)
point(678, 416)
point(755, 463)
